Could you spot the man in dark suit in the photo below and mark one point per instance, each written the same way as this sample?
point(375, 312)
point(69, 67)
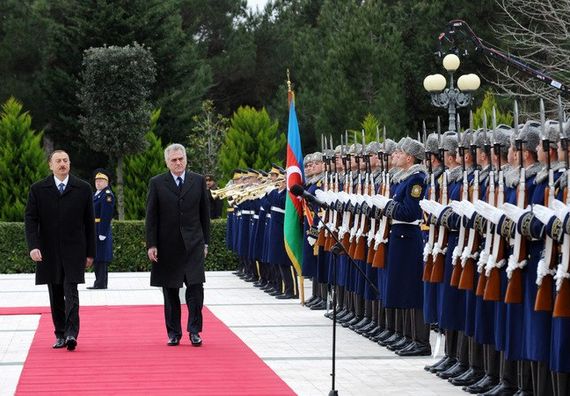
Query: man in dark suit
point(177, 235)
point(60, 233)
point(104, 206)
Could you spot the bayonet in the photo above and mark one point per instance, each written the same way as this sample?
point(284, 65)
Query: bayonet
point(377, 133)
point(458, 123)
point(516, 116)
point(438, 125)
point(424, 129)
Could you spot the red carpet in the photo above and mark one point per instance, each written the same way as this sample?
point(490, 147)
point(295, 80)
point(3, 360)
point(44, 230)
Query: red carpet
point(122, 350)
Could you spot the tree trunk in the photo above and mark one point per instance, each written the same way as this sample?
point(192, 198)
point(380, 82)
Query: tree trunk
point(120, 193)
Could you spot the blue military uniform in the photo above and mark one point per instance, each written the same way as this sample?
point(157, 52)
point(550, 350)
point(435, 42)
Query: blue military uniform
point(104, 206)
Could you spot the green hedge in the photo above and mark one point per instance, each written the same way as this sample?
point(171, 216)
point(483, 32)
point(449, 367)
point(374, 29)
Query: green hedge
point(129, 248)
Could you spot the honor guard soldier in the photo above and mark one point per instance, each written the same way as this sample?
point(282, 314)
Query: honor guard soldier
point(104, 206)
point(403, 288)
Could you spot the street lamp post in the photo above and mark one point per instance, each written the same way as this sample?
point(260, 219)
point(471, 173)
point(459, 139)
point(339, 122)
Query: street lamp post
point(452, 97)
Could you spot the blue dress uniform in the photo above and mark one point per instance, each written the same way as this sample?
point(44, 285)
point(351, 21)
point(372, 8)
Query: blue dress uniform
point(403, 287)
point(536, 325)
point(277, 254)
point(513, 342)
point(104, 206)
point(431, 289)
point(560, 342)
point(451, 301)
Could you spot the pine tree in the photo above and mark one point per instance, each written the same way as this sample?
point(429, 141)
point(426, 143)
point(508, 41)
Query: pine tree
point(139, 168)
point(22, 160)
point(487, 106)
point(252, 141)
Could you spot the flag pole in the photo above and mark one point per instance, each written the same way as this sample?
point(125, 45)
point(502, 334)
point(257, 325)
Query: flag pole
point(301, 279)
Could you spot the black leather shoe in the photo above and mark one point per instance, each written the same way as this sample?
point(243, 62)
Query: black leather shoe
point(503, 389)
point(346, 318)
point(373, 332)
point(418, 349)
point(352, 322)
point(366, 328)
point(384, 335)
point(59, 343)
point(320, 306)
point(312, 300)
point(446, 365)
point(195, 339)
point(440, 361)
point(286, 296)
point(485, 385)
point(173, 341)
point(454, 371)
point(395, 337)
point(339, 312)
point(361, 324)
point(470, 377)
point(71, 343)
point(275, 293)
point(401, 344)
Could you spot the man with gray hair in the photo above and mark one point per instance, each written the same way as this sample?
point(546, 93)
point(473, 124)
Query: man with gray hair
point(177, 235)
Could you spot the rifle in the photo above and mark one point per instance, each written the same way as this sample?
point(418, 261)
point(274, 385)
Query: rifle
point(428, 248)
point(360, 243)
point(381, 237)
point(372, 229)
point(344, 230)
point(357, 215)
point(456, 255)
point(327, 186)
point(471, 251)
point(517, 260)
point(496, 260)
point(561, 303)
point(545, 270)
point(440, 248)
point(337, 208)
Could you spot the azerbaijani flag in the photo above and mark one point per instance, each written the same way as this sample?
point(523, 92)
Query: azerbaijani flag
point(293, 226)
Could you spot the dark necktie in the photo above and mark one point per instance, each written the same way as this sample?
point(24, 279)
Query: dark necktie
point(61, 188)
point(180, 181)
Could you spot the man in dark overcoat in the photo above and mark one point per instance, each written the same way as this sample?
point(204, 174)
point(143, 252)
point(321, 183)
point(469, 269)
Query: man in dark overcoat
point(177, 235)
point(60, 232)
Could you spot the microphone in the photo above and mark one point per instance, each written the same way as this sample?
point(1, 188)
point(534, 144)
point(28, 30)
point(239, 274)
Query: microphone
point(299, 191)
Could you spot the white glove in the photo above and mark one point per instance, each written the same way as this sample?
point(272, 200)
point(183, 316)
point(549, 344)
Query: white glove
point(368, 200)
point(513, 212)
point(426, 207)
point(343, 197)
point(268, 189)
point(437, 208)
point(102, 237)
point(467, 208)
point(489, 212)
point(560, 209)
point(543, 213)
point(457, 208)
point(322, 196)
point(380, 201)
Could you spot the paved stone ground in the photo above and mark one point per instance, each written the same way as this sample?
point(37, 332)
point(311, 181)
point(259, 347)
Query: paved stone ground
point(293, 340)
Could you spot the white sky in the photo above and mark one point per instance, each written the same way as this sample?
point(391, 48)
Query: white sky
point(253, 4)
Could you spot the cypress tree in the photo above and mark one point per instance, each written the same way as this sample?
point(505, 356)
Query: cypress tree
point(22, 160)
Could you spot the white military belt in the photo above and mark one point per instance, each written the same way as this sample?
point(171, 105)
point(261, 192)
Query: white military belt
point(417, 222)
point(256, 216)
point(277, 209)
point(247, 212)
